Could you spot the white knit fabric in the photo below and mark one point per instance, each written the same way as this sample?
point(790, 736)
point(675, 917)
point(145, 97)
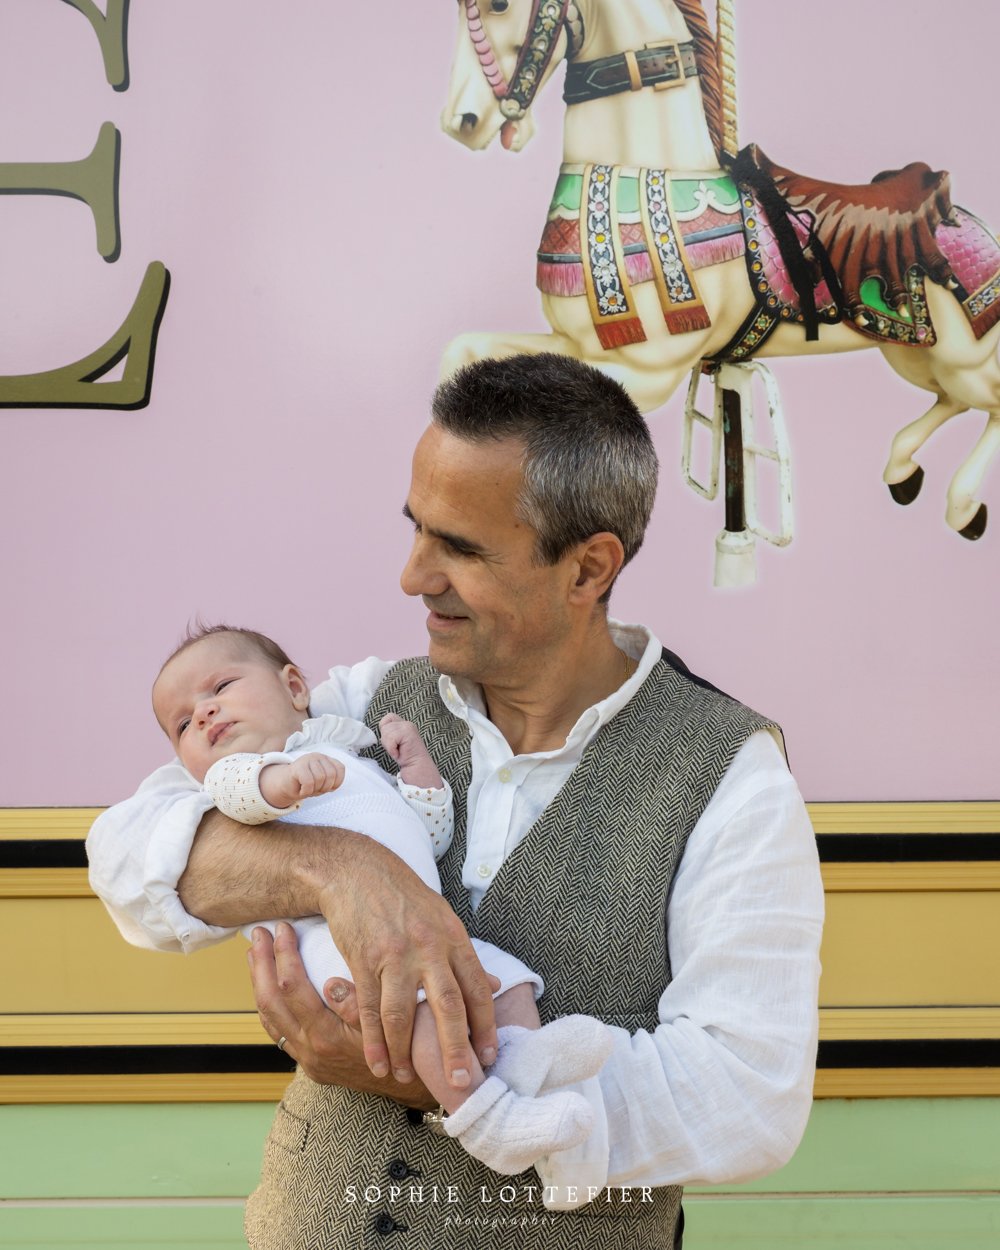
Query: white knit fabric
point(234, 784)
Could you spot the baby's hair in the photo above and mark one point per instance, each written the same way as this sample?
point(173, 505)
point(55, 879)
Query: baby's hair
point(248, 639)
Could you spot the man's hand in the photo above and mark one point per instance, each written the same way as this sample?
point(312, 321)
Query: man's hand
point(282, 785)
point(394, 932)
point(396, 936)
point(328, 1049)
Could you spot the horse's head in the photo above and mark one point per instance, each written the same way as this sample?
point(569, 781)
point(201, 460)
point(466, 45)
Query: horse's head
point(506, 51)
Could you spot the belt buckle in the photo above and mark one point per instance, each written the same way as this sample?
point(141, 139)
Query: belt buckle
point(675, 46)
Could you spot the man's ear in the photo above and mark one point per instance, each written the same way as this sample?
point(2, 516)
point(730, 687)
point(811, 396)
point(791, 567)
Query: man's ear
point(599, 559)
point(297, 687)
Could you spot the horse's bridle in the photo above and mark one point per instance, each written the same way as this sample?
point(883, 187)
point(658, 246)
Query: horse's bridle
point(548, 18)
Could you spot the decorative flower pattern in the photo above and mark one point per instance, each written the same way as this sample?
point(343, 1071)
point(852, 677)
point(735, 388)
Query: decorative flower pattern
point(655, 188)
point(608, 289)
point(535, 56)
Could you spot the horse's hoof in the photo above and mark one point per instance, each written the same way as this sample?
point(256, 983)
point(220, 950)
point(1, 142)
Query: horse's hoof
point(908, 489)
point(977, 526)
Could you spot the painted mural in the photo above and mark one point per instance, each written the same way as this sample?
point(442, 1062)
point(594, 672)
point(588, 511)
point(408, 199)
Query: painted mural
point(667, 249)
point(325, 241)
point(94, 180)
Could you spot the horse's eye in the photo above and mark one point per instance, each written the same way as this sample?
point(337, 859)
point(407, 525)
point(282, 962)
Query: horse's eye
point(498, 6)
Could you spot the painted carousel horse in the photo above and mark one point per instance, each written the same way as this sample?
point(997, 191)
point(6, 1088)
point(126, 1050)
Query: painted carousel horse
point(658, 254)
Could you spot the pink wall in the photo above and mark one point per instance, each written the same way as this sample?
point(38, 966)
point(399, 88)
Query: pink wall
point(325, 240)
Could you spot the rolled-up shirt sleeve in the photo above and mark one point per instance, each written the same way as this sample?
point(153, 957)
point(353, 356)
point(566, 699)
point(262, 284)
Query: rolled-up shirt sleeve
point(721, 1089)
point(138, 849)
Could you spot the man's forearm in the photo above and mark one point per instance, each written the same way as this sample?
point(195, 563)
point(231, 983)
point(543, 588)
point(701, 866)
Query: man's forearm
point(237, 874)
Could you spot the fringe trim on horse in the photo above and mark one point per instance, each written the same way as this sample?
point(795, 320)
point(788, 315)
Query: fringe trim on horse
point(715, 251)
point(613, 334)
point(684, 320)
point(564, 280)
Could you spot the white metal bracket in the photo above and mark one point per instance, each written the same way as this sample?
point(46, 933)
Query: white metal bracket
point(735, 549)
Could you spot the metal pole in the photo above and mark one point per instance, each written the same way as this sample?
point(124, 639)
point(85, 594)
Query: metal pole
point(732, 436)
point(726, 47)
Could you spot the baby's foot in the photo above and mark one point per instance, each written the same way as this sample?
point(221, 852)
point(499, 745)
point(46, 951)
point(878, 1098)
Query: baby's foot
point(535, 1061)
point(508, 1132)
point(572, 1178)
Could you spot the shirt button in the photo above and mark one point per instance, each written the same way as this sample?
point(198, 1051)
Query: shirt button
point(484, 871)
point(504, 775)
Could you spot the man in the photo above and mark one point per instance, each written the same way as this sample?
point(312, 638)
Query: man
point(595, 779)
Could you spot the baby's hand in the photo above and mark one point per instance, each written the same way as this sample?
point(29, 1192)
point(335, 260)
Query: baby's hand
point(285, 784)
point(402, 740)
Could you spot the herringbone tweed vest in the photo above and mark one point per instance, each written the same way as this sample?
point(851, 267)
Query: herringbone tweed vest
point(583, 900)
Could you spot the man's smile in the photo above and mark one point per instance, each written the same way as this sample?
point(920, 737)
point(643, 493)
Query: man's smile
point(441, 618)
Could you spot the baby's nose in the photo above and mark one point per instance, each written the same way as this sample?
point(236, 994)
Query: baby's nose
point(206, 711)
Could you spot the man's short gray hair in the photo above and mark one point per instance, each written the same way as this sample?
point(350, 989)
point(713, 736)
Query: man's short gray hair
point(589, 463)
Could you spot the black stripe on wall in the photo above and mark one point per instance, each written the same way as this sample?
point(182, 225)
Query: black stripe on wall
point(834, 848)
point(44, 853)
point(109, 1060)
point(138, 1060)
point(907, 848)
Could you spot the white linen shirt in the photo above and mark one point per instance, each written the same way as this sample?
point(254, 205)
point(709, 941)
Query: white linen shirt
point(721, 1089)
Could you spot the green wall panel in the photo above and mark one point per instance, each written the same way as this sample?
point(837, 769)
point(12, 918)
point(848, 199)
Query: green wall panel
point(155, 1227)
point(897, 1144)
point(922, 1173)
point(214, 1150)
point(848, 1223)
point(200, 1150)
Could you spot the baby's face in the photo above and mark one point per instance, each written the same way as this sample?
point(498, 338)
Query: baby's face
point(219, 696)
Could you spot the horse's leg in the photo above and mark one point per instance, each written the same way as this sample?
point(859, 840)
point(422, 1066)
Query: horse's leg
point(902, 474)
point(965, 513)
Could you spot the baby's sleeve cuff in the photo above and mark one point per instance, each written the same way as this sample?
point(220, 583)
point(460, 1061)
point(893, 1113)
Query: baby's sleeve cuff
point(233, 783)
point(435, 808)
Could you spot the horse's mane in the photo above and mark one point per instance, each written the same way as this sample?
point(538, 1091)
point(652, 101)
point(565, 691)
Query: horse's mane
point(708, 66)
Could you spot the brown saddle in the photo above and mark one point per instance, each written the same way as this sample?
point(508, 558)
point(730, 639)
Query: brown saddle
point(880, 229)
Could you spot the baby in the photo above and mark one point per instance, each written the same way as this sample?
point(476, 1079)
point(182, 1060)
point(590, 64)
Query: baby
point(235, 709)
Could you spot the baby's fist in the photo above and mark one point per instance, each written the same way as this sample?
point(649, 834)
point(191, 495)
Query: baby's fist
point(285, 784)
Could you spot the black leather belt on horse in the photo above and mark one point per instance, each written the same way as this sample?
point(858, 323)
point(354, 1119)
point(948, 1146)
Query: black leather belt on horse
point(668, 64)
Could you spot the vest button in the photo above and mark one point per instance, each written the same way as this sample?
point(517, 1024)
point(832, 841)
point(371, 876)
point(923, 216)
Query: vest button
point(415, 1116)
point(384, 1225)
point(398, 1171)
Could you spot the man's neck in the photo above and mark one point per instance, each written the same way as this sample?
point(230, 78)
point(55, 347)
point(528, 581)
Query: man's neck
point(539, 715)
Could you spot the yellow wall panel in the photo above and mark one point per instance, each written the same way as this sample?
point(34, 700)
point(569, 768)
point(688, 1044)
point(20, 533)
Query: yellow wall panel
point(911, 949)
point(73, 959)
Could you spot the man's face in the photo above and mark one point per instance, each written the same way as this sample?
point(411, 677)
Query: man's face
point(218, 697)
point(496, 616)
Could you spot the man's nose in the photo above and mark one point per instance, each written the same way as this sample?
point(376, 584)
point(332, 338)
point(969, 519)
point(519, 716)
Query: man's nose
point(421, 574)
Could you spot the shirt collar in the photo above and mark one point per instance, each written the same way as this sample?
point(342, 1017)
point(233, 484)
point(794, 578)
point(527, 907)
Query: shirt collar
point(462, 698)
